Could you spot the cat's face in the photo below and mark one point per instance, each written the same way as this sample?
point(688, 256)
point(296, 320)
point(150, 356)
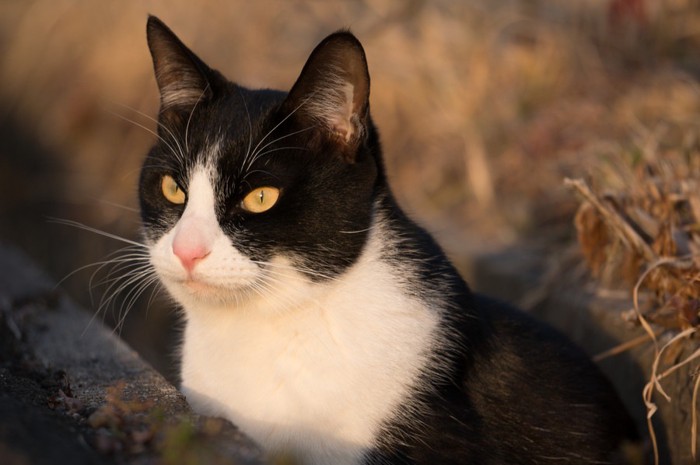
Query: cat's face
point(258, 194)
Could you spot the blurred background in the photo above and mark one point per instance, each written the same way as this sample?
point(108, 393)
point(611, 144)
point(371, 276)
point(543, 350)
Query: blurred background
point(484, 106)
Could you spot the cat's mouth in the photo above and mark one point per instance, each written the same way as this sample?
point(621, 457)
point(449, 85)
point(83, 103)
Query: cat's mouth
point(217, 285)
point(197, 286)
point(204, 290)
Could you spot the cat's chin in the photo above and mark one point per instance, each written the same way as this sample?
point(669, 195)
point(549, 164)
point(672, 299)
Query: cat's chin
point(198, 291)
point(197, 287)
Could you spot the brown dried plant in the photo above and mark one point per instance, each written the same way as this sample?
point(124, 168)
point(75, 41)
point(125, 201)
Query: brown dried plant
point(655, 217)
point(645, 236)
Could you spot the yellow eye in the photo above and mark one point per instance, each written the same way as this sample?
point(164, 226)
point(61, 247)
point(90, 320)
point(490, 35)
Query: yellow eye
point(261, 199)
point(172, 191)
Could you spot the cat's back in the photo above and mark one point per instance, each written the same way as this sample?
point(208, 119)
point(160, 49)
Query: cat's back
point(526, 395)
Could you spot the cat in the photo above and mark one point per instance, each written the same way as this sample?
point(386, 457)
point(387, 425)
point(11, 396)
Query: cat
point(319, 318)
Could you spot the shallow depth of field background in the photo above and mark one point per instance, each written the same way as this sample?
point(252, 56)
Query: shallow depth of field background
point(484, 106)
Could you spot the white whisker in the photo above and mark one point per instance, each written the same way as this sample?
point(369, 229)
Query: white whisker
point(178, 154)
point(356, 232)
point(250, 125)
point(280, 148)
point(84, 227)
point(130, 274)
point(267, 266)
point(257, 153)
point(132, 297)
point(252, 154)
point(189, 118)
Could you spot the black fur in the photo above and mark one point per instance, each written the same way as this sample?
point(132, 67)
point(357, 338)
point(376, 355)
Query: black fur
point(514, 391)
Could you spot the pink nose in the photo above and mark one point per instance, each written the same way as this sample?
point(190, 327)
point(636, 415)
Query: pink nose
point(190, 254)
point(192, 242)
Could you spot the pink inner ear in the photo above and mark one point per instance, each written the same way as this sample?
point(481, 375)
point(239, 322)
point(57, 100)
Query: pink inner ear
point(335, 106)
point(343, 127)
point(332, 91)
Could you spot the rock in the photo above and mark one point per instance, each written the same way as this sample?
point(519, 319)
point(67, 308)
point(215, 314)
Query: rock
point(61, 371)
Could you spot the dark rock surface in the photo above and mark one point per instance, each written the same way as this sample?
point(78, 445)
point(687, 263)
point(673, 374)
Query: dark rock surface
point(72, 392)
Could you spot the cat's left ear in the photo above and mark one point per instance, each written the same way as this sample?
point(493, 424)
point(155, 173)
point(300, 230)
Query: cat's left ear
point(184, 80)
point(332, 91)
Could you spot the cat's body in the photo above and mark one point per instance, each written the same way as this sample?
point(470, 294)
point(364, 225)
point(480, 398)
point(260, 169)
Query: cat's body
point(319, 318)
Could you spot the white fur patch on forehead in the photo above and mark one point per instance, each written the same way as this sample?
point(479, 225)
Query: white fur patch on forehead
point(201, 197)
point(208, 158)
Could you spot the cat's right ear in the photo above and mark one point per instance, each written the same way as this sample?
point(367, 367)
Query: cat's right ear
point(332, 92)
point(183, 79)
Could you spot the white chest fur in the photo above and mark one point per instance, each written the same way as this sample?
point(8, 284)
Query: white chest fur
point(318, 379)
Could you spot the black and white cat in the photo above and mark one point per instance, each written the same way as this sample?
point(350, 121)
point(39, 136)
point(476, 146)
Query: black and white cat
point(319, 318)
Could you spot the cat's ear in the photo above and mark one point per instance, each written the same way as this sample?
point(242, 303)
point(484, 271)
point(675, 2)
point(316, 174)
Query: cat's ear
point(333, 91)
point(183, 79)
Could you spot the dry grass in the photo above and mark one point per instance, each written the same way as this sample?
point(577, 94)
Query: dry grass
point(642, 233)
point(483, 105)
point(647, 236)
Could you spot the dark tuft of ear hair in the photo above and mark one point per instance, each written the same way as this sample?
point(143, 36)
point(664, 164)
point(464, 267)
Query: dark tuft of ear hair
point(183, 79)
point(332, 92)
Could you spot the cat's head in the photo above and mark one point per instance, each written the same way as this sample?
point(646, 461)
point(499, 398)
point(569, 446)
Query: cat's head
point(258, 193)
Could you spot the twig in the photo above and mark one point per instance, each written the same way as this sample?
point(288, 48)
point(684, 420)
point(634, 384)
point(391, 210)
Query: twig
point(648, 390)
point(613, 219)
point(655, 383)
point(625, 346)
point(694, 419)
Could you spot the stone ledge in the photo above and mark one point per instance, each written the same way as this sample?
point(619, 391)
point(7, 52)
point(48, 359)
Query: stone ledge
point(43, 337)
